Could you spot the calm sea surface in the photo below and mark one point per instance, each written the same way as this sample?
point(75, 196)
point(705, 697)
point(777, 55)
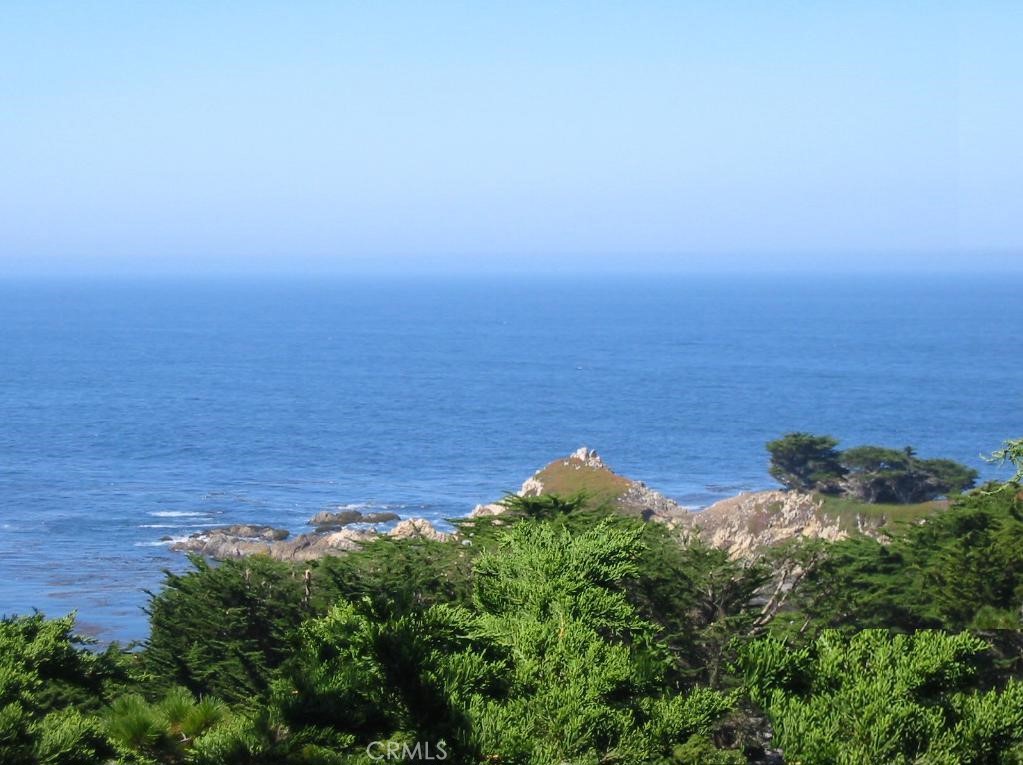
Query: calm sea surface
point(135, 411)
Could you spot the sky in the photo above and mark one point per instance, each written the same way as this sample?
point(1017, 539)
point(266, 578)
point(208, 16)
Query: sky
point(258, 137)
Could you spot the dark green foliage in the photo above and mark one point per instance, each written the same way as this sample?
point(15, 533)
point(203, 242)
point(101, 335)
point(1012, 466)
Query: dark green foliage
point(876, 474)
point(962, 568)
point(64, 672)
point(584, 677)
point(872, 474)
point(696, 597)
point(805, 461)
point(700, 750)
point(68, 737)
point(970, 558)
point(222, 630)
point(721, 611)
point(336, 682)
point(47, 680)
point(395, 577)
point(544, 506)
point(856, 583)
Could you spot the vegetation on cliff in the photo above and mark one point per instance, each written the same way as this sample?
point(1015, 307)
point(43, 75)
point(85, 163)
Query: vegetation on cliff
point(561, 631)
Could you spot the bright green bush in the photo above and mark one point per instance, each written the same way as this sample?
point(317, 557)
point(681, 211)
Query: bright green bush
point(165, 731)
point(875, 697)
point(549, 663)
point(67, 737)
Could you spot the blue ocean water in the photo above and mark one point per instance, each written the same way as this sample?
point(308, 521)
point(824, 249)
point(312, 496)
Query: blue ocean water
point(133, 411)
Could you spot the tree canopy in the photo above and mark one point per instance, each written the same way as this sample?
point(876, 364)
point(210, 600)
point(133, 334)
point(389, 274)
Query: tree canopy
point(805, 461)
point(873, 474)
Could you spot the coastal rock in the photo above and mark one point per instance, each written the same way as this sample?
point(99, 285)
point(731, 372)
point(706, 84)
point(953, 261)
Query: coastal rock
point(219, 545)
point(417, 528)
point(587, 457)
point(340, 518)
point(584, 471)
point(532, 487)
point(242, 540)
point(248, 531)
point(650, 504)
point(746, 524)
point(233, 541)
point(326, 518)
point(743, 525)
point(314, 546)
point(222, 544)
point(485, 511)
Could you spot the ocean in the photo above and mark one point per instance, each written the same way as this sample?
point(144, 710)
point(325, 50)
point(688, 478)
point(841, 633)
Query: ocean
point(133, 411)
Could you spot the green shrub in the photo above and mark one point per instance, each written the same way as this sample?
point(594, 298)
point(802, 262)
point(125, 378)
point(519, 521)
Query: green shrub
point(67, 737)
point(875, 697)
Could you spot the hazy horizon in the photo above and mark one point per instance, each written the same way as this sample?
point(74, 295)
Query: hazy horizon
point(399, 139)
point(503, 266)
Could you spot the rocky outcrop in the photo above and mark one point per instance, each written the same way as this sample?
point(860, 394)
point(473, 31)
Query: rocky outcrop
point(584, 471)
point(485, 511)
point(748, 523)
point(742, 525)
point(649, 504)
point(417, 528)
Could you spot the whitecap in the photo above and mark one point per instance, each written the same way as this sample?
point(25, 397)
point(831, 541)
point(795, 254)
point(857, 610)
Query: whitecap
point(178, 514)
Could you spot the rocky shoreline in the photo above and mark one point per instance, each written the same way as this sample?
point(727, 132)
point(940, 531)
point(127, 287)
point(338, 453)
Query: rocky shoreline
point(741, 525)
point(240, 540)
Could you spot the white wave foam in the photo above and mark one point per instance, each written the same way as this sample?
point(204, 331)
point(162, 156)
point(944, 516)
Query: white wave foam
point(176, 525)
point(161, 543)
point(178, 514)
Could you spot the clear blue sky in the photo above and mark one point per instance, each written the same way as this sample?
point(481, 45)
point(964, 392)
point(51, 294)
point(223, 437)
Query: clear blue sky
point(292, 136)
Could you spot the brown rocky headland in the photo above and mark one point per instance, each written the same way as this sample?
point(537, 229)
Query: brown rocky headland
point(741, 525)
